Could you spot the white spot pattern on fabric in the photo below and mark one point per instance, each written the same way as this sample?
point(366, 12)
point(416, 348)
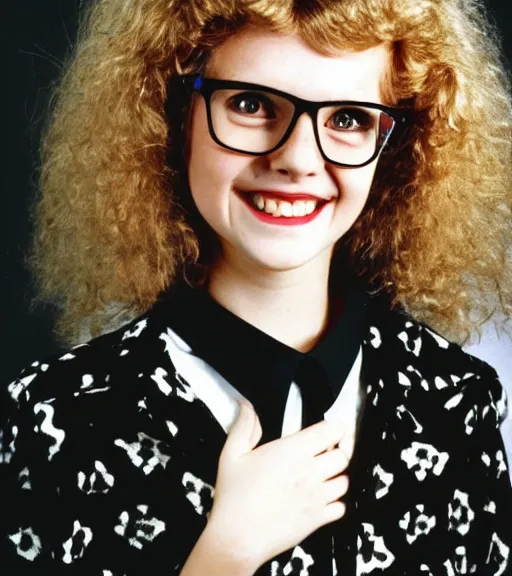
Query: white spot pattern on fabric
point(99, 482)
point(383, 481)
point(403, 379)
point(159, 377)
point(87, 381)
point(334, 565)
point(440, 383)
point(49, 429)
point(17, 387)
point(67, 356)
point(441, 342)
point(299, 564)
point(499, 554)
point(185, 391)
point(454, 401)
point(376, 339)
point(416, 523)
point(449, 568)
point(372, 552)
point(413, 347)
point(470, 421)
point(28, 544)
point(461, 561)
point(171, 426)
point(418, 428)
point(422, 458)
point(417, 373)
point(137, 330)
point(145, 453)
point(460, 513)
point(24, 479)
point(96, 390)
point(500, 404)
point(198, 492)
point(138, 529)
point(501, 467)
point(75, 546)
point(7, 452)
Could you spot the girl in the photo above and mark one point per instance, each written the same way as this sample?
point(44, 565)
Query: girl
point(284, 194)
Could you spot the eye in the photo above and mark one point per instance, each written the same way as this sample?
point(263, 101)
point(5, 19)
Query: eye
point(351, 119)
point(252, 104)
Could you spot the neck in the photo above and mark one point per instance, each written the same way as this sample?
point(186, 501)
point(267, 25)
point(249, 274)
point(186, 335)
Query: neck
point(292, 306)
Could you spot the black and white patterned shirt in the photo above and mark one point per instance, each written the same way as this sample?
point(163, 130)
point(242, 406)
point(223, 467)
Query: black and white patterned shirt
point(109, 453)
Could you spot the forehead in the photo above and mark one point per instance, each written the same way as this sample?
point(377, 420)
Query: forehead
point(287, 63)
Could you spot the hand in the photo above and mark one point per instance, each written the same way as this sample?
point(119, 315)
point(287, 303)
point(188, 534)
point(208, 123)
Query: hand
point(270, 498)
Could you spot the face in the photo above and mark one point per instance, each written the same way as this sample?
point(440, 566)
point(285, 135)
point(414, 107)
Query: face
point(225, 185)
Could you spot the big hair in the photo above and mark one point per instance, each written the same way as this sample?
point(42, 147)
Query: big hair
point(111, 230)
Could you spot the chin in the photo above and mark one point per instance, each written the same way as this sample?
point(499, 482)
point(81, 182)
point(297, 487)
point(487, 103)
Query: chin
point(280, 262)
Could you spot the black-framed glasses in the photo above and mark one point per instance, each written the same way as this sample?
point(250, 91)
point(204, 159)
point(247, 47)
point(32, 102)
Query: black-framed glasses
point(257, 120)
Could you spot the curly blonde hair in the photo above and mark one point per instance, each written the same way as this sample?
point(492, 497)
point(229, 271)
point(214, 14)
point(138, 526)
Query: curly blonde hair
point(435, 234)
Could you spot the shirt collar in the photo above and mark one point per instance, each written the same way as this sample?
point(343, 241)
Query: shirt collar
point(260, 367)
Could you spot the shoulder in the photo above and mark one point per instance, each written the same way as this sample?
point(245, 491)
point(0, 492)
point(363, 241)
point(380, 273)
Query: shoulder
point(110, 385)
point(89, 368)
point(426, 365)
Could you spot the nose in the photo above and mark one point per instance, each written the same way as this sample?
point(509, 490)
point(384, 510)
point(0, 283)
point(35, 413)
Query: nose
point(299, 156)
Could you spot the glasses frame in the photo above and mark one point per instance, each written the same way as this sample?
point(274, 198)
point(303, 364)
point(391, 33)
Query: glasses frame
point(207, 86)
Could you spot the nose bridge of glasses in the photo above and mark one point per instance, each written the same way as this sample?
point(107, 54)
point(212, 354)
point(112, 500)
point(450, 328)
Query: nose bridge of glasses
point(303, 111)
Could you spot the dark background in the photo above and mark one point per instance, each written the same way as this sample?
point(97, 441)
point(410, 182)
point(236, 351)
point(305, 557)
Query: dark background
point(40, 36)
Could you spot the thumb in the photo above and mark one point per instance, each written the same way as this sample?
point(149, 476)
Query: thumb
point(245, 432)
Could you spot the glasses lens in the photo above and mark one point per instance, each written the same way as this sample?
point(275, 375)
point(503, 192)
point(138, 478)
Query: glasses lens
point(248, 120)
point(351, 134)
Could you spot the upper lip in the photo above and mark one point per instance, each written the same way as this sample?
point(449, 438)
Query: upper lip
point(290, 196)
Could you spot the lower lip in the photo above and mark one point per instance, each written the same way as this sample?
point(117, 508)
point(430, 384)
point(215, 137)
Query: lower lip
point(283, 220)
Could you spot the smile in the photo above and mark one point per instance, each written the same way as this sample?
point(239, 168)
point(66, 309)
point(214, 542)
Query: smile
point(275, 209)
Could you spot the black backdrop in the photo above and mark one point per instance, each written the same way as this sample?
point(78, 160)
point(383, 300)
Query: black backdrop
point(40, 35)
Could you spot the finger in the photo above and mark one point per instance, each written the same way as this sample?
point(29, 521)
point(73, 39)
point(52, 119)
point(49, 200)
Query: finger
point(335, 489)
point(330, 464)
point(319, 437)
point(256, 433)
point(244, 433)
point(332, 512)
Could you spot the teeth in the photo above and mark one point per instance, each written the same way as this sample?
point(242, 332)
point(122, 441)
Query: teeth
point(286, 209)
point(310, 206)
point(283, 208)
point(270, 206)
point(299, 208)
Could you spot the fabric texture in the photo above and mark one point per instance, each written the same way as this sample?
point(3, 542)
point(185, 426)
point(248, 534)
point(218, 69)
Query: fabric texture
point(109, 458)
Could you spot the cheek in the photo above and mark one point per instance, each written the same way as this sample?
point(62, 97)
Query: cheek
point(354, 183)
point(211, 169)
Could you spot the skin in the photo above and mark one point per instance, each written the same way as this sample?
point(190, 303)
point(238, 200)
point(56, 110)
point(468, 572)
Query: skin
point(276, 278)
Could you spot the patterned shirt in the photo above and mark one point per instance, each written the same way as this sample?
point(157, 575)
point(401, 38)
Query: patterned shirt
point(109, 453)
